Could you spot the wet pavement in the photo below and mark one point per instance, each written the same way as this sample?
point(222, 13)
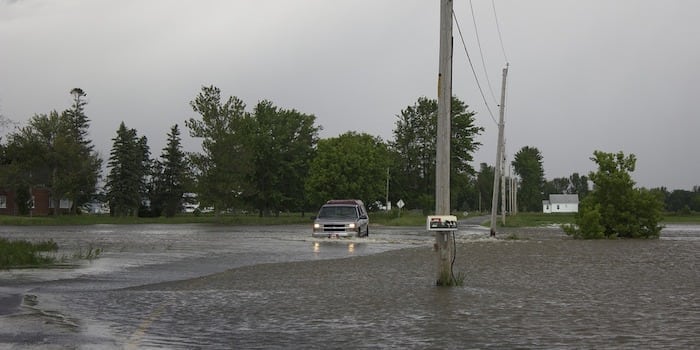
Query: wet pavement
point(205, 286)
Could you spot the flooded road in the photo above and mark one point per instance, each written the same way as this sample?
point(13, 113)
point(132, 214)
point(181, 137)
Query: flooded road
point(203, 286)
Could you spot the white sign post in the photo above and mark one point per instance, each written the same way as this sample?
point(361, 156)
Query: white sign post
point(400, 204)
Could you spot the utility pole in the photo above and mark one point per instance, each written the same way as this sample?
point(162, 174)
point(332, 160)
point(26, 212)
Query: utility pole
point(387, 205)
point(503, 184)
point(511, 185)
point(499, 155)
point(515, 196)
point(443, 243)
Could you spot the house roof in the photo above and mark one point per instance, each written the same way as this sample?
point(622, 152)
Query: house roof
point(563, 198)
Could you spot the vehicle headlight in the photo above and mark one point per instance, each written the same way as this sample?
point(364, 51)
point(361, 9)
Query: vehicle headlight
point(351, 225)
point(317, 225)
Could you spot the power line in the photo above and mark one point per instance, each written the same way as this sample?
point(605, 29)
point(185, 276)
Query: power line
point(498, 27)
point(481, 53)
point(459, 30)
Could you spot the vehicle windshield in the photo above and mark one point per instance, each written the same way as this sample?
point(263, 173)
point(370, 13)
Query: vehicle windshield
point(333, 212)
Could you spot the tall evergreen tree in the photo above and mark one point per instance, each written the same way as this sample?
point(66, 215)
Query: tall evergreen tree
point(170, 176)
point(87, 164)
point(129, 167)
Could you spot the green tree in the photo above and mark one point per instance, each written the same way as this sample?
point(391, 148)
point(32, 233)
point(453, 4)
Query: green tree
point(695, 202)
point(45, 154)
point(615, 208)
point(466, 198)
point(53, 151)
point(281, 143)
point(225, 163)
point(23, 163)
point(484, 184)
point(414, 146)
point(579, 185)
point(527, 164)
point(556, 186)
point(129, 165)
point(23, 199)
point(351, 165)
point(86, 165)
point(171, 177)
point(680, 201)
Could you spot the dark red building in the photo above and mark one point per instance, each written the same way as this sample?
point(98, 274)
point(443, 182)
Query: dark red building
point(42, 204)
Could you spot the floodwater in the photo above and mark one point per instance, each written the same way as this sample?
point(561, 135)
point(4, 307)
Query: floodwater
point(212, 287)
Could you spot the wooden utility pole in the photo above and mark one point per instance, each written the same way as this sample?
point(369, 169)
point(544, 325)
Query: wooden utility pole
point(515, 196)
point(443, 243)
point(503, 184)
point(499, 155)
point(386, 203)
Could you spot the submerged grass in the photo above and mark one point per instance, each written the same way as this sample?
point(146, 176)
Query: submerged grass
point(22, 253)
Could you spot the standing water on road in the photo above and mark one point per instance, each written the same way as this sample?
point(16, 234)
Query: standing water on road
point(201, 286)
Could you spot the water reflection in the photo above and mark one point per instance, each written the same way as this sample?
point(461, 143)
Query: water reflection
point(334, 246)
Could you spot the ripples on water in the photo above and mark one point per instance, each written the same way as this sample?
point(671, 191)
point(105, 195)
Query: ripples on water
point(542, 291)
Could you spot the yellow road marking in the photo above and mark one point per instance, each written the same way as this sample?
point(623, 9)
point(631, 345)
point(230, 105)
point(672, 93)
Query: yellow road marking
point(135, 339)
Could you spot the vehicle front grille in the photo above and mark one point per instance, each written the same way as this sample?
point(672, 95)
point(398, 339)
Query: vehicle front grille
point(334, 228)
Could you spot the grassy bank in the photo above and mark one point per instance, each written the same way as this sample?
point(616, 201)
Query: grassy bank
point(393, 218)
point(537, 219)
point(179, 219)
point(541, 219)
point(672, 218)
point(23, 253)
point(381, 218)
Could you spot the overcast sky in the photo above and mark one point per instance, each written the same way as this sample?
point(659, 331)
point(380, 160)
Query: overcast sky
point(584, 75)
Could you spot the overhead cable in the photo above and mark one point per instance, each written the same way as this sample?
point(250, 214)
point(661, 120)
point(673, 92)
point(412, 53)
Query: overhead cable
point(498, 27)
point(481, 53)
point(459, 30)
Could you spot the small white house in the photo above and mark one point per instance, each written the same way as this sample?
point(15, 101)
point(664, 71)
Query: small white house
point(561, 203)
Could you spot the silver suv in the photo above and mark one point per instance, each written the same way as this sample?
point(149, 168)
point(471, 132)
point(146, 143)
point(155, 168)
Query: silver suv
point(341, 218)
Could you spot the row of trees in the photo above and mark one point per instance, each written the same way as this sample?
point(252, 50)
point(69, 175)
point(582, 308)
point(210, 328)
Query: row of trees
point(270, 159)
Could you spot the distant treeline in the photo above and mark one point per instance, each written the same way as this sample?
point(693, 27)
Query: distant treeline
point(268, 160)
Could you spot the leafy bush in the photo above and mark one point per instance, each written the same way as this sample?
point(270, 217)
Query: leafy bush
point(615, 208)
